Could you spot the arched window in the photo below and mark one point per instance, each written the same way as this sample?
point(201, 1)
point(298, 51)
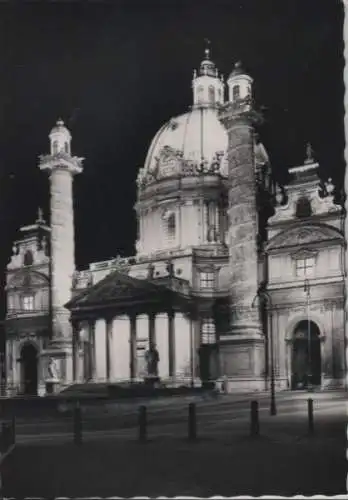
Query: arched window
point(211, 94)
point(208, 335)
point(28, 258)
point(303, 207)
point(235, 92)
point(66, 147)
point(200, 94)
point(55, 147)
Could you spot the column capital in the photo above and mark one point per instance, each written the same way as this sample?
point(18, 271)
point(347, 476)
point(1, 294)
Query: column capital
point(109, 318)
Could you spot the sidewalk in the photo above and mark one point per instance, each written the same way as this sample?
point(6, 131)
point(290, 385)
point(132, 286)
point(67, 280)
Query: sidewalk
point(112, 407)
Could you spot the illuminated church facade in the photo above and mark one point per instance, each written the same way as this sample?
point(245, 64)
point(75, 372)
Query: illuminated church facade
point(234, 277)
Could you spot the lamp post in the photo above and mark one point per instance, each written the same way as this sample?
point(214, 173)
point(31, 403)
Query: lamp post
point(345, 78)
point(265, 296)
point(309, 360)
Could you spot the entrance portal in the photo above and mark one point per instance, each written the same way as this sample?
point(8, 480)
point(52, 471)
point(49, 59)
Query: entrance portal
point(29, 369)
point(306, 355)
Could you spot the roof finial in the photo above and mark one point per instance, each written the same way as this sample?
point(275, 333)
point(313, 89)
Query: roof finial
point(309, 154)
point(207, 48)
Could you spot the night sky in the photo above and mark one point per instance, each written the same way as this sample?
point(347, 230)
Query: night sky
point(116, 71)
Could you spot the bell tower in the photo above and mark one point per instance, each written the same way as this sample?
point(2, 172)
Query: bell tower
point(61, 167)
point(242, 348)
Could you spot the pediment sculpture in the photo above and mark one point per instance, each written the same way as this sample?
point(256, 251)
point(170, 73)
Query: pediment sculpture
point(25, 279)
point(169, 161)
point(303, 235)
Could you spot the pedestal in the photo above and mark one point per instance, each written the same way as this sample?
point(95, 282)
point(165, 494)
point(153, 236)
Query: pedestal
point(152, 380)
point(52, 386)
point(242, 363)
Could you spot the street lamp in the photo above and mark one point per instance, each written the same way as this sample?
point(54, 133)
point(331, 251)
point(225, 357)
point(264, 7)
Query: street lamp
point(345, 53)
point(309, 371)
point(265, 296)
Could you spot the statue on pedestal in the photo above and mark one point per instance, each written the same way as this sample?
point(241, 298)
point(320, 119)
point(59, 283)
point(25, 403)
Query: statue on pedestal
point(52, 369)
point(152, 359)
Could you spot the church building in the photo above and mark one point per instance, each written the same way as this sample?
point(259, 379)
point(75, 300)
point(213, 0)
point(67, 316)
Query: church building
point(234, 279)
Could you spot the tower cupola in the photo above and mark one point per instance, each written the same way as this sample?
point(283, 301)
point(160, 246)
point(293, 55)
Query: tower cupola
point(239, 84)
point(60, 138)
point(208, 85)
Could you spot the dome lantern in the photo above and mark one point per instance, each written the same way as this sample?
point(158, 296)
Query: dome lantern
point(208, 88)
point(239, 84)
point(60, 138)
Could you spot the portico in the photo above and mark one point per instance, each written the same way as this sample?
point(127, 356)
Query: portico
point(111, 335)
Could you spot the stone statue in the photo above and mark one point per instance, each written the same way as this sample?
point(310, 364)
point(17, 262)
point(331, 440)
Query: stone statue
point(152, 359)
point(53, 371)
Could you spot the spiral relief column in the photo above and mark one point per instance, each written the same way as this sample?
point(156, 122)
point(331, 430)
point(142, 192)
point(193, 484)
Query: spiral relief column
point(61, 167)
point(242, 349)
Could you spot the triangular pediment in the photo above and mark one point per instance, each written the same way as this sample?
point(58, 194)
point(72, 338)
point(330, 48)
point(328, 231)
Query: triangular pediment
point(118, 287)
point(304, 235)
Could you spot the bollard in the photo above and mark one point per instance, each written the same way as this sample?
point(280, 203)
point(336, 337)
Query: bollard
point(13, 429)
point(310, 417)
point(4, 437)
point(192, 422)
point(77, 425)
point(142, 423)
point(254, 419)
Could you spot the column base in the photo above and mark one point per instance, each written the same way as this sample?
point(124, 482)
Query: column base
point(242, 361)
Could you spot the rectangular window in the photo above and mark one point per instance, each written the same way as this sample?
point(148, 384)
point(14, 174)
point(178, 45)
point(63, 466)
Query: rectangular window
point(207, 280)
point(305, 267)
point(28, 302)
point(208, 332)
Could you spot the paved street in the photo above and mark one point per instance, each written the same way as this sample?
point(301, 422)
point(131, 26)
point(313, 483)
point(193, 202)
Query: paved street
point(224, 460)
point(223, 414)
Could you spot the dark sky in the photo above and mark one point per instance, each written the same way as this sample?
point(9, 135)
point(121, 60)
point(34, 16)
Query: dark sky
point(115, 71)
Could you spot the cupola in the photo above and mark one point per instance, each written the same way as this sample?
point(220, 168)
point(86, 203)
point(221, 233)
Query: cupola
point(239, 84)
point(60, 139)
point(208, 85)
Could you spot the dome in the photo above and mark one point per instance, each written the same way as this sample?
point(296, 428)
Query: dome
point(60, 128)
point(238, 70)
point(187, 145)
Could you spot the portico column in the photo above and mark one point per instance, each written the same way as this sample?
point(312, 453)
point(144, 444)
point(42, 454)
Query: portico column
point(152, 328)
point(75, 348)
point(171, 343)
point(109, 322)
point(133, 346)
point(91, 346)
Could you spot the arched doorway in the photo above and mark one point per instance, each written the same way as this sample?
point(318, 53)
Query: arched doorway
point(29, 369)
point(306, 355)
